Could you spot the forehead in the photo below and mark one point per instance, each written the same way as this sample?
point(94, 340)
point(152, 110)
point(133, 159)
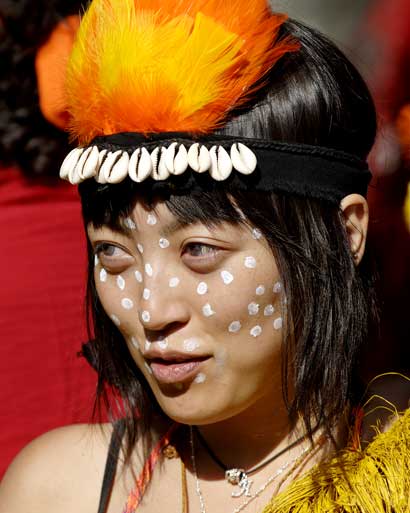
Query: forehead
point(159, 221)
point(168, 215)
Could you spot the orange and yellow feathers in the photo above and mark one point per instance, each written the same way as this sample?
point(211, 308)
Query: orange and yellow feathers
point(168, 65)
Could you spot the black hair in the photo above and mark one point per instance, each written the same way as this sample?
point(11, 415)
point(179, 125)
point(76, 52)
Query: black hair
point(27, 139)
point(313, 96)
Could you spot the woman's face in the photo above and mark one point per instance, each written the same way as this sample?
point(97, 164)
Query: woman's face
point(199, 308)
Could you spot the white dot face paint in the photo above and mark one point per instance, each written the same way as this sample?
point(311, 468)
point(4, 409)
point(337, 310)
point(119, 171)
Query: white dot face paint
point(103, 275)
point(127, 303)
point(250, 262)
point(227, 277)
point(256, 234)
point(234, 327)
point(145, 316)
point(129, 223)
point(120, 282)
point(115, 320)
point(163, 343)
point(191, 344)
point(253, 309)
point(140, 248)
point(174, 282)
point(278, 323)
point(202, 288)
point(269, 310)
point(151, 220)
point(200, 378)
point(218, 311)
point(96, 260)
point(256, 331)
point(260, 291)
point(277, 288)
point(207, 310)
point(164, 243)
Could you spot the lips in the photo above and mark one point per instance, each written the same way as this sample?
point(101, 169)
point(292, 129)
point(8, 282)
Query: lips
point(176, 369)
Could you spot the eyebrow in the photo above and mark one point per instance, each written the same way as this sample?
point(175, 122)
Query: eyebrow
point(174, 226)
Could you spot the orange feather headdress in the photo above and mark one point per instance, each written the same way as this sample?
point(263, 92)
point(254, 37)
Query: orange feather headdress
point(153, 66)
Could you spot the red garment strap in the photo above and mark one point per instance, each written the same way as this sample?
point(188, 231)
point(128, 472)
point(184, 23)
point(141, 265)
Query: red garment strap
point(144, 478)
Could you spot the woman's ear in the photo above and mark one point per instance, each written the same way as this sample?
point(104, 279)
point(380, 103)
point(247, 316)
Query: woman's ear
point(356, 213)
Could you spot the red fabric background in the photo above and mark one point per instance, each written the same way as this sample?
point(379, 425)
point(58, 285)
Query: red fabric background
point(43, 384)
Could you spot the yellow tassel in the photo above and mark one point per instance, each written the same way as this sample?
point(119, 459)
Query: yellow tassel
point(374, 480)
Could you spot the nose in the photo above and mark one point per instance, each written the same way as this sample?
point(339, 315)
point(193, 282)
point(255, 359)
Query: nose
point(163, 308)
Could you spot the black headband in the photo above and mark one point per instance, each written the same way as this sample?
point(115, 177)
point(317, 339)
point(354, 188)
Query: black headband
point(300, 169)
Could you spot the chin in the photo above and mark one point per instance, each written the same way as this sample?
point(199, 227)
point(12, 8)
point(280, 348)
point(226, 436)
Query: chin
point(196, 409)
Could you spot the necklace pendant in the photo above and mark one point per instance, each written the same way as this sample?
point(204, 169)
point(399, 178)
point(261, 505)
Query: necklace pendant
point(238, 477)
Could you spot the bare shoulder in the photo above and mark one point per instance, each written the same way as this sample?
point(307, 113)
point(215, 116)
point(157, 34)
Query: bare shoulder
point(59, 471)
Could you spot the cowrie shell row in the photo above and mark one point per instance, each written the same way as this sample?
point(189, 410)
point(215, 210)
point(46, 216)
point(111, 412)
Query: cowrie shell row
point(114, 166)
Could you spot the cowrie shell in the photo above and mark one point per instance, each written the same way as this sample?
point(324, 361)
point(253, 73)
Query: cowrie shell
point(243, 159)
point(91, 166)
point(193, 157)
point(198, 158)
point(144, 168)
point(221, 165)
point(120, 169)
point(169, 157)
point(162, 172)
point(133, 163)
point(154, 159)
point(108, 164)
point(98, 176)
point(74, 174)
point(204, 160)
point(181, 161)
point(80, 165)
point(69, 162)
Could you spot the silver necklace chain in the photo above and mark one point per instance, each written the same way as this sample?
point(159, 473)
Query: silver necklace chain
point(197, 483)
point(251, 497)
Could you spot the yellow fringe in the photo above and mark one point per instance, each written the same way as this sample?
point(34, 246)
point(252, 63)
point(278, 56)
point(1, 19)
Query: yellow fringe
point(374, 480)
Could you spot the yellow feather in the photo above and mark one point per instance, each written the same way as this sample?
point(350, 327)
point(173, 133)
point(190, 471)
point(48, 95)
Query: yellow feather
point(172, 67)
point(373, 480)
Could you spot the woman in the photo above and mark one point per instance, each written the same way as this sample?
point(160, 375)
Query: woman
point(229, 283)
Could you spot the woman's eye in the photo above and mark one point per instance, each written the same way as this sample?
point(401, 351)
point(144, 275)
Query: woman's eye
point(195, 249)
point(112, 256)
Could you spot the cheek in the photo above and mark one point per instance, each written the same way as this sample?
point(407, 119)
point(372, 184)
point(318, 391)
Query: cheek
point(118, 294)
point(241, 300)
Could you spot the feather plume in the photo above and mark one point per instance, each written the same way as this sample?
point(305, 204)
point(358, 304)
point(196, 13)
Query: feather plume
point(168, 65)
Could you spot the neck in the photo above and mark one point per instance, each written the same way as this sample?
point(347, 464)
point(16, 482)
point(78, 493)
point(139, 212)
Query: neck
point(249, 438)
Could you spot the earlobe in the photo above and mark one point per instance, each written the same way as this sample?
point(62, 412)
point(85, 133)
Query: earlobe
point(356, 214)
